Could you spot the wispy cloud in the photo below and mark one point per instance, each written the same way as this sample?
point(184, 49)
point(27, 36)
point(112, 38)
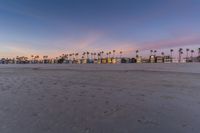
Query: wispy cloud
point(91, 42)
point(13, 49)
point(172, 42)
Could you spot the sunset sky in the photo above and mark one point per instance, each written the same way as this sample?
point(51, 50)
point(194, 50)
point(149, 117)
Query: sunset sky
point(53, 27)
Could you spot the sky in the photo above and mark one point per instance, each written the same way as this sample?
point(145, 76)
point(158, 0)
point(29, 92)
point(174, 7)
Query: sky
point(53, 27)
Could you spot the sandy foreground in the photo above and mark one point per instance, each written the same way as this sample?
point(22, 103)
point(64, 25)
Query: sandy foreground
point(124, 98)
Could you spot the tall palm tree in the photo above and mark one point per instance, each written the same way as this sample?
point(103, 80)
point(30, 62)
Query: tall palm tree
point(73, 54)
point(76, 56)
point(67, 55)
point(88, 55)
point(155, 51)
point(37, 58)
point(198, 51)
point(163, 56)
point(162, 53)
point(137, 51)
point(114, 53)
point(180, 53)
point(84, 54)
point(44, 57)
point(70, 55)
point(95, 55)
point(151, 51)
point(25, 59)
point(120, 54)
point(99, 55)
point(192, 52)
point(102, 52)
point(171, 51)
point(109, 54)
point(187, 50)
point(32, 57)
point(91, 55)
point(17, 59)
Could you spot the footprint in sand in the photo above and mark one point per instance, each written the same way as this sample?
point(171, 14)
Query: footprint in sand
point(168, 97)
point(145, 121)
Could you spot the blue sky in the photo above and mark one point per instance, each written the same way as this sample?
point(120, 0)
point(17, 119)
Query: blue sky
point(59, 26)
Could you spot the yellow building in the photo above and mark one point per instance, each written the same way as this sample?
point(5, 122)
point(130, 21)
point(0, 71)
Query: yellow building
point(109, 60)
point(104, 61)
point(99, 61)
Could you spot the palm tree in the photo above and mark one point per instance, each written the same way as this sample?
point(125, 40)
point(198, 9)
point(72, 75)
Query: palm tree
point(44, 59)
point(109, 54)
point(171, 51)
point(67, 55)
point(88, 55)
point(151, 51)
point(155, 51)
point(114, 53)
point(162, 53)
point(187, 50)
point(192, 52)
point(91, 55)
point(95, 55)
point(64, 56)
point(84, 54)
point(198, 51)
point(37, 58)
point(17, 59)
point(25, 59)
point(73, 56)
point(99, 55)
point(76, 56)
point(180, 53)
point(56, 60)
point(137, 51)
point(120, 54)
point(102, 52)
point(70, 55)
point(32, 56)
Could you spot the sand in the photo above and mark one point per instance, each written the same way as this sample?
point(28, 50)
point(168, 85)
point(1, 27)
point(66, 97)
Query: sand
point(124, 98)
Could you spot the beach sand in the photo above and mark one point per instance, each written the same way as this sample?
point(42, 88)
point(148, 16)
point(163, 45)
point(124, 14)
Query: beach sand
point(123, 98)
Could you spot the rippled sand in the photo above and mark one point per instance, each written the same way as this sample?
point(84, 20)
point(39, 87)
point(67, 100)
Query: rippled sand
point(124, 98)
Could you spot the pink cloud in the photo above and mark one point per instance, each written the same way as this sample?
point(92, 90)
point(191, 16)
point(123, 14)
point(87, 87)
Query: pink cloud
point(170, 43)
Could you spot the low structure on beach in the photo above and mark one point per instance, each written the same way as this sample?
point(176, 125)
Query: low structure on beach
point(104, 58)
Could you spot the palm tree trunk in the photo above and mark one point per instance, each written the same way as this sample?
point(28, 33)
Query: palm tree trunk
point(187, 54)
point(171, 55)
point(179, 58)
